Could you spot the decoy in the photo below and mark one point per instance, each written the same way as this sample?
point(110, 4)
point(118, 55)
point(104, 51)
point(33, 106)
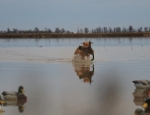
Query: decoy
point(139, 112)
point(146, 104)
point(141, 83)
point(14, 98)
point(1, 104)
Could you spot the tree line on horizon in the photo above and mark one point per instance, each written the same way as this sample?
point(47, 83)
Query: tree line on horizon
point(79, 30)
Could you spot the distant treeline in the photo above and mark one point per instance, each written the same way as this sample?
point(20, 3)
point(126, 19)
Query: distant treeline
point(98, 32)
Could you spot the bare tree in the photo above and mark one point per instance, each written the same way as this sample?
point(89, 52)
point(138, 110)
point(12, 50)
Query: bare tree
point(130, 28)
point(145, 29)
point(124, 30)
point(105, 29)
point(110, 30)
point(36, 29)
point(8, 30)
point(118, 29)
point(15, 30)
point(140, 29)
point(98, 30)
point(114, 30)
point(78, 31)
point(81, 31)
point(57, 30)
point(86, 30)
point(49, 30)
point(62, 30)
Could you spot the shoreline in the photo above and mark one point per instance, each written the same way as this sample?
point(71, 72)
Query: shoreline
point(73, 35)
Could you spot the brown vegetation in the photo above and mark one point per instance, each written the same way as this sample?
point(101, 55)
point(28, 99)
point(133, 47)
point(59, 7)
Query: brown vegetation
point(73, 35)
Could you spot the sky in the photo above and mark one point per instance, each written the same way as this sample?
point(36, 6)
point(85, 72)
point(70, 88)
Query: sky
point(73, 14)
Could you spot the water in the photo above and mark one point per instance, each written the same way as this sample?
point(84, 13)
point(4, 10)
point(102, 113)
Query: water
point(55, 85)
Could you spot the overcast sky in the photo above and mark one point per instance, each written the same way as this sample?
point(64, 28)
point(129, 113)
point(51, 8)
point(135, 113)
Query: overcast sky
point(73, 14)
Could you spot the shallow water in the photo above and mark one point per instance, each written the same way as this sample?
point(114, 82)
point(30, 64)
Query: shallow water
point(56, 85)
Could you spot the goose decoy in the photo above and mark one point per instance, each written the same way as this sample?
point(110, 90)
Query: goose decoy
point(139, 112)
point(14, 98)
point(141, 84)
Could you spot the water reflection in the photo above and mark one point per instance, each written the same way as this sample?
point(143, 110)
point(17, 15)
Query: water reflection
point(11, 98)
point(34, 42)
point(84, 71)
point(109, 92)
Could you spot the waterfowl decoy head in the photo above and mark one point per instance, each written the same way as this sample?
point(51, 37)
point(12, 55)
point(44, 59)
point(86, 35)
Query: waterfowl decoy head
point(21, 89)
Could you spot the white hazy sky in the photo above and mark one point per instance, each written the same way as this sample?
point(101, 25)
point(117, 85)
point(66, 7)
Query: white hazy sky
point(73, 14)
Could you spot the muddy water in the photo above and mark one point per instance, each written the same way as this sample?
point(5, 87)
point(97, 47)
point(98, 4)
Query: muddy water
point(56, 85)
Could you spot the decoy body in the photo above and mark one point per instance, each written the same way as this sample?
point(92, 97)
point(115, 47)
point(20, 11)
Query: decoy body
point(141, 83)
point(141, 93)
point(14, 98)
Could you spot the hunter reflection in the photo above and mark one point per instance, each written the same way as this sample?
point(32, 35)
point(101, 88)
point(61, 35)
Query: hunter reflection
point(11, 98)
point(84, 72)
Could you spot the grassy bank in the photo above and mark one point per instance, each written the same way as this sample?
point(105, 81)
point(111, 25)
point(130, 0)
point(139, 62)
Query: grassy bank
point(73, 35)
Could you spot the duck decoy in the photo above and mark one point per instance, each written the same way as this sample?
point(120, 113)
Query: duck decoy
point(139, 112)
point(14, 98)
point(1, 104)
point(141, 84)
point(146, 104)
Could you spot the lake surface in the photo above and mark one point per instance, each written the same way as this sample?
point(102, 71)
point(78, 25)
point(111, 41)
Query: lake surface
point(54, 85)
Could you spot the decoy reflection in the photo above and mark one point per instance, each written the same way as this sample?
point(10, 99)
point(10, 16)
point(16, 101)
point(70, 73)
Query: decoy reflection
point(11, 98)
point(84, 72)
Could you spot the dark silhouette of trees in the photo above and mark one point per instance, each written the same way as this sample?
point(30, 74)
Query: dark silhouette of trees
point(79, 30)
point(57, 30)
point(140, 29)
point(36, 29)
point(105, 29)
point(86, 30)
point(118, 29)
point(15, 30)
point(130, 28)
point(146, 29)
point(49, 30)
point(98, 30)
point(8, 30)
point(62, 30)
point(110, 30)
point(124, 30)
